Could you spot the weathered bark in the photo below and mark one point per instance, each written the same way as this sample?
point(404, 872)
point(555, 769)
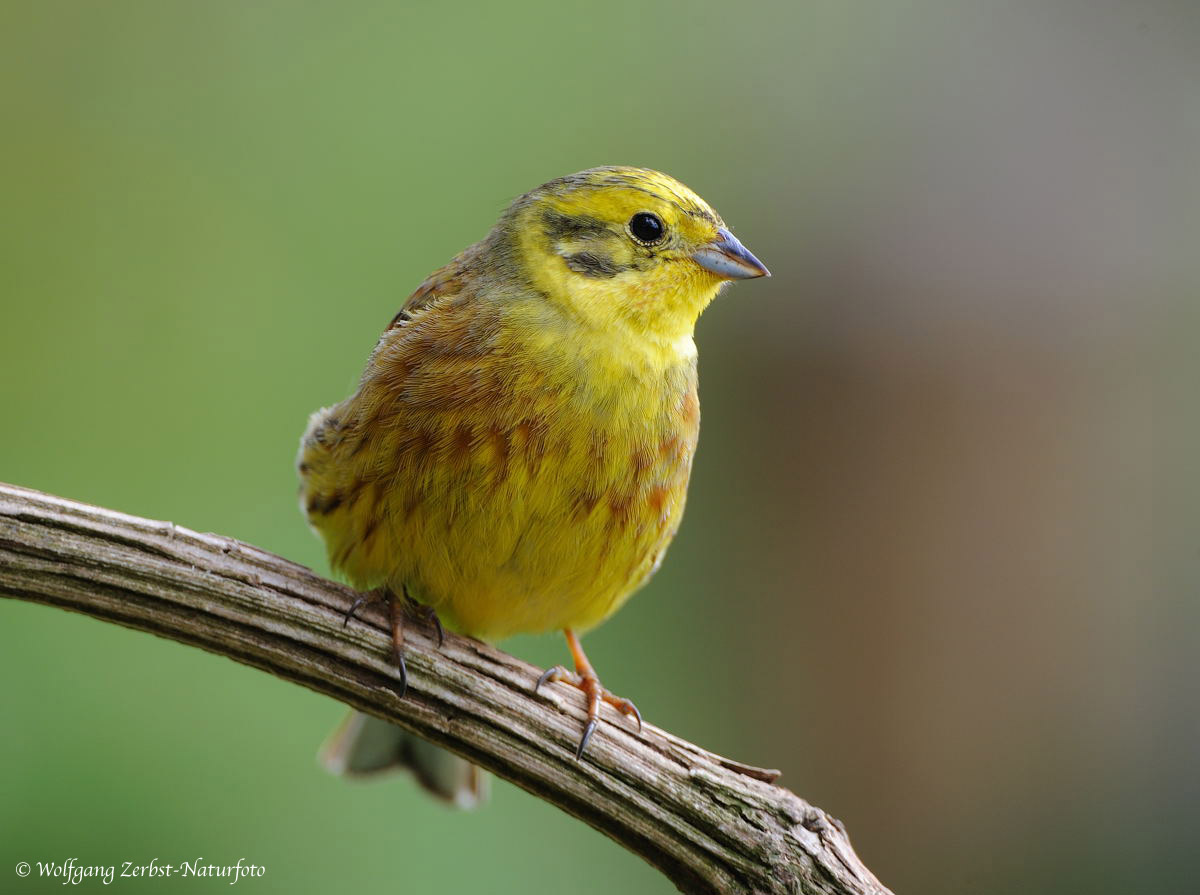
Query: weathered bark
point(708, 823)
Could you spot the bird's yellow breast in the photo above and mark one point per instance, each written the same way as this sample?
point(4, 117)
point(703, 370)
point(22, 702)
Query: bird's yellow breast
point(515, 469)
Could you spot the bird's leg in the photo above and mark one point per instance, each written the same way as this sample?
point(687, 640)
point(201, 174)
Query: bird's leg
point(584, 677)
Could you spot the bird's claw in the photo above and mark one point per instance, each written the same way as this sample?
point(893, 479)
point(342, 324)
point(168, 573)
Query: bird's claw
point(357, 605)
point(557, 673)
point(588, 730)
point(402, 666)
point(429, 614)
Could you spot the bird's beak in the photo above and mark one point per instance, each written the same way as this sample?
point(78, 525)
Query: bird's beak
point(728, 258)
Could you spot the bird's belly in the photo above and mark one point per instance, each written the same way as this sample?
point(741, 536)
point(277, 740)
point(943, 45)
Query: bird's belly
point(562, 545)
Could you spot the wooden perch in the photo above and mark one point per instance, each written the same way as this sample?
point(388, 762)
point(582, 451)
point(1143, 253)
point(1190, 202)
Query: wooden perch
point(708, 823)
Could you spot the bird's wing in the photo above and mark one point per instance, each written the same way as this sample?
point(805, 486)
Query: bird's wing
point(444, 281)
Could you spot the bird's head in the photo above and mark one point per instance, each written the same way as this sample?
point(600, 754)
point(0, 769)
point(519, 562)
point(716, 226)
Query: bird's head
point(626, 246)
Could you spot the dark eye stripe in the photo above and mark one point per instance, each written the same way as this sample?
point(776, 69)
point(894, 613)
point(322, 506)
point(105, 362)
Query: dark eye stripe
point(591, 264)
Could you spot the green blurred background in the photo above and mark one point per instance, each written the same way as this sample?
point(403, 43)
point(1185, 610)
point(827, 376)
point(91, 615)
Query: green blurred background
point(919, 570)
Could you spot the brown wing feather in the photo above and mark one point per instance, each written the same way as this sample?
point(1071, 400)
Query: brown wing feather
point(447, 280)
point(419, 373)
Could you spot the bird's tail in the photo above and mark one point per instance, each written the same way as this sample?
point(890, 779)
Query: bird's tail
point(364, 746)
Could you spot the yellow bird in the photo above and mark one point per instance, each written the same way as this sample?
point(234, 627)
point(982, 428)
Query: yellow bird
point(517, 454)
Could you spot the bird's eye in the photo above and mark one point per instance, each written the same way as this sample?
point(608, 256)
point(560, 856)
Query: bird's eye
point(647, 228)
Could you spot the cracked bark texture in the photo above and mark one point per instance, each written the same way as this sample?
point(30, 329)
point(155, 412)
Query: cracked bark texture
point(708, 823)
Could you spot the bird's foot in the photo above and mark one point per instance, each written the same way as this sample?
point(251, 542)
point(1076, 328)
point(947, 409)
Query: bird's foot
point(586, 680)
point(396, 609)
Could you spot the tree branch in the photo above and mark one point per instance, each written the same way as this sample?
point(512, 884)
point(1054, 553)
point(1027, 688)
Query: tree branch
point(708, 823)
